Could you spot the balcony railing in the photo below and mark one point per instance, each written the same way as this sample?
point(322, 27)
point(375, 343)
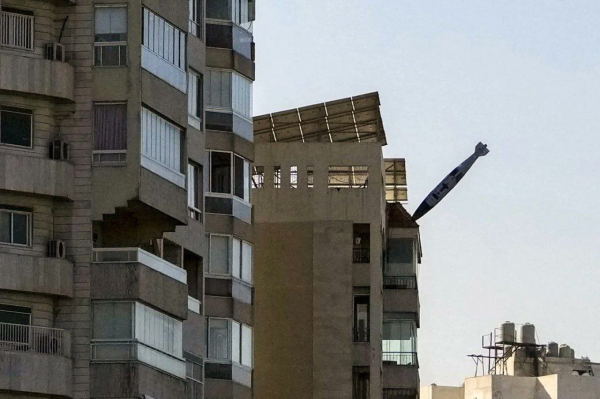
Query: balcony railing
point(33, 339)
point(361, 255)
point(138, 255)
point(16, 30)
point(401, 358)
point(399, 393)
point(361, 334)
point(400, 282)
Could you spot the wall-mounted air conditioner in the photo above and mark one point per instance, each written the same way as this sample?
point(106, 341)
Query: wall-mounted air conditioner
point(59, 150)
point(55, 52)
point(56, 249)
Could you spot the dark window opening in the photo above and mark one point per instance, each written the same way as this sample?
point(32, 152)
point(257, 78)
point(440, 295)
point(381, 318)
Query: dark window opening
point(192, 264)
point(361, 318)
point(400, 250)
point(16, 126)
point(361, 250)
point(220, 172)
point(360, 382)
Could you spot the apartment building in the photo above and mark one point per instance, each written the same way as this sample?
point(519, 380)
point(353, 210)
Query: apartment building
point(336, 254)
point(125, 221)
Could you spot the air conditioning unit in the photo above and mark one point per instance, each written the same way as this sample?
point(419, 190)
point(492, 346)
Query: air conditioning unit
point(59, 150)
point(55, 52)
point(56, 249)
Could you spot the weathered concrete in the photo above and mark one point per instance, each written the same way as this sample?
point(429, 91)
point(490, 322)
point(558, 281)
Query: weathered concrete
point(395, 376)
point(48, 276)
point(44, 176)
point(37, 76)
point(226, 390)
point(401, 300)
point(33, 373)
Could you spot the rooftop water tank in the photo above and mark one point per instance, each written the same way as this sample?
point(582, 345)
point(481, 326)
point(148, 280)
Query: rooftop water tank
point(527, 334)
point(552, 350)
point(507, 332)
point(566, 352)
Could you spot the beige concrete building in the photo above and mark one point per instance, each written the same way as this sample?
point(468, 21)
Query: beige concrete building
point(522, 369)
point(337, 306)
point(116, 279)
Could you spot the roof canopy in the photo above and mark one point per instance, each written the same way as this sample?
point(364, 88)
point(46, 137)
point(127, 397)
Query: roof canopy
point(351, 119)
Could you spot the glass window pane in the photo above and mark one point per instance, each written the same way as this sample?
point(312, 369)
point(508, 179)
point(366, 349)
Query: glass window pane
point(118, 21)
point(219, 254)
point(247, 186)
point(20, 229)
point(110, 55)
point(237, 257)
point(247, 346)
point(15, 127)
point(14, 317)
point(5, 227)
point(112, 320)
point(247, 262)
point(238, 176)
point(400, 250)
point(218, 340)
point(235, 342)
point(218, 9)
point(103, 20)
point(220, 172)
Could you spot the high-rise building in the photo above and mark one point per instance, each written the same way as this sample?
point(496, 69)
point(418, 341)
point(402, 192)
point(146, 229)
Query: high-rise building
point(116, 279)
point(336, 300)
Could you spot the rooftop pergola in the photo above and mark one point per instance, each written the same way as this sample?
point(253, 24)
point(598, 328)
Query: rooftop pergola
point(353, 119)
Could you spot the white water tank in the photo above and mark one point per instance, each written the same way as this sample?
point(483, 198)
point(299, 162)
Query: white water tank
point(552, 350)
point(527, 334)
point(507, 332)
point(566, 352)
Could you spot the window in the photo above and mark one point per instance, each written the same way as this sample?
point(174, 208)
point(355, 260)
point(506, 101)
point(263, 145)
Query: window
point(129, 331)
point(222, 175)
point(348, 177)
point(399, 340)
point(231, 256)
point(13, 330)
point(195, 194)
point(16, 126)
point(229, 92)
point(361, 246)
point(310, 176)
point(164, 39)
point(293, 177)
point(110, 133)
point(258, 177)
point(162, 147)
point(218, 339)
point(361, 318)
point(15, 227)
point(17, 28)
point(360, 382)
point(15, 315)
point(220, 172)
point(400, 250)
point(230, 340)
point(110, 47)
point(196, 17)
point(277, 176)
point(239, 11)
point(195, 99)
point(194, 375)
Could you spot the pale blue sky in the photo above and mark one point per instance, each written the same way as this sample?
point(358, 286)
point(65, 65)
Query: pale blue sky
point(519, 238)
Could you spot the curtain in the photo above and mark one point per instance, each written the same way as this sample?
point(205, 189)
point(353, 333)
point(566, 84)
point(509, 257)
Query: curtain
point(110, 127)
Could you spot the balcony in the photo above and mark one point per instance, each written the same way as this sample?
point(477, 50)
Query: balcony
point(48, 276)
point(132, 273)
point(401, 300)
point(401, 393)
point(226, 204)
point(400, 282)
point(17, 30)
point(400, 373)
point(54, 79)
point(35, 360)
point(45, 176)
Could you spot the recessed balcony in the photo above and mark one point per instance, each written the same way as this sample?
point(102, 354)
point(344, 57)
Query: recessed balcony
point(135, 274)
point(35, 360)
point(37, 76)
point(48, 276)
point(44, 176)
point(400, 372)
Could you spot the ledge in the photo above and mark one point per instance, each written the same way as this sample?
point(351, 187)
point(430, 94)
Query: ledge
point(34, 373)
point(37, 76)
point(48, 276)
point(401, 301)
point(44, 176)
point(400, 377)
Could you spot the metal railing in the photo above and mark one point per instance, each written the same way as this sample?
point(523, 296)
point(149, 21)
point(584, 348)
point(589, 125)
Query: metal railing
point(360, 334)
point(361, 255)
point(400, 282)
point(399, 393)
point(33, 339)
point(16, 30)
point(401, 358)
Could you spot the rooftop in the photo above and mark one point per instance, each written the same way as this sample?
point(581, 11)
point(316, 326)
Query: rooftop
point(352, 119)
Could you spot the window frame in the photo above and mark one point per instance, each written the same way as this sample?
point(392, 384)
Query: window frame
point(230, 258)
point(197, 118)
point(29, 215)
point(120, 44)
point(196, 27)
point(230, 107)
point(246, 172)
point(122, 159)
point(208, 343)
point(230, 342)
point(196, 210)
point(181, 61)
point(20, 111)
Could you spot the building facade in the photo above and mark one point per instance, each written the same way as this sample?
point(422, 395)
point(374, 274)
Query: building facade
point(336, 310)
point(126, 240)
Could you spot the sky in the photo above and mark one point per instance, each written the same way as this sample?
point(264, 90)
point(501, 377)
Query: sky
point(519, 238)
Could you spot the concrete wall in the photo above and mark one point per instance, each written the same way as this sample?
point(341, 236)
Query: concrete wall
point(33, 274)
point(440, 392)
